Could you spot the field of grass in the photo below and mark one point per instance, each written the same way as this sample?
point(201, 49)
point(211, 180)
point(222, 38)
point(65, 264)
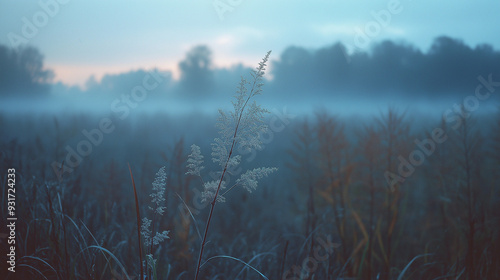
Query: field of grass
point(388, 198)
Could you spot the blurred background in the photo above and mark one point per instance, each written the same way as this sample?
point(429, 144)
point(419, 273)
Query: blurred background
point(355, 57)
point(384, 124)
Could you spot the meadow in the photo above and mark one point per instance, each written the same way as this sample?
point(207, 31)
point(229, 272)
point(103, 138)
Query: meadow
point(346, 202)
point(397, 195)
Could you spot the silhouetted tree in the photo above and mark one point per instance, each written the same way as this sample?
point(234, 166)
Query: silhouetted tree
point(196, 71)
point(286, 76)
point(22, 72)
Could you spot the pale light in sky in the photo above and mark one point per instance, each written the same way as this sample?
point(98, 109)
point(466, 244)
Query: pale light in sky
point(84, 38)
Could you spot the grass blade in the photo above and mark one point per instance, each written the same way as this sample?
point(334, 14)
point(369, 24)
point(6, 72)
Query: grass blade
point(233, 258)
point(400, 277)
point(138, 220)
point(191, 214)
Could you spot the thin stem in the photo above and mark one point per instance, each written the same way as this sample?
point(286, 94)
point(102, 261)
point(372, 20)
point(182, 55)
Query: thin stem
point(258, 75)
point(235, 185)
point(151, 248)
point(214, 201)
point(255, 87)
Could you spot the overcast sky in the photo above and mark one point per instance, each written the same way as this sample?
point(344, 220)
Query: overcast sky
point(84, 38)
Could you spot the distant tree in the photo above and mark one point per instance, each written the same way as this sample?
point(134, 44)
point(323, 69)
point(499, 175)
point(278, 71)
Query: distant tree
point(196, 71)
point(157, 82)
point(286, 76)
point(22, 72)
point(332, 67)
point(399, 63)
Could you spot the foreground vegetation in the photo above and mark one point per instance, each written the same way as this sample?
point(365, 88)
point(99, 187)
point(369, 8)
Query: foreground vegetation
point(329, 210)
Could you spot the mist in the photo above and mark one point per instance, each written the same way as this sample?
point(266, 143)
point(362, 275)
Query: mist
point(390, 73)
point(386, 161)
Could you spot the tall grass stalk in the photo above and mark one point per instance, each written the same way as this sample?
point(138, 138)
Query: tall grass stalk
point(240, 108)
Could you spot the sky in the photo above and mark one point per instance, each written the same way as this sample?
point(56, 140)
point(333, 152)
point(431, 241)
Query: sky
point(84, 38)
